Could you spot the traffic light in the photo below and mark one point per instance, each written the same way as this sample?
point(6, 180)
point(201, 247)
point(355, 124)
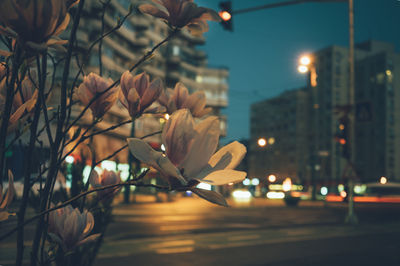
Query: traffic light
point(226, 15)
point(342, 136)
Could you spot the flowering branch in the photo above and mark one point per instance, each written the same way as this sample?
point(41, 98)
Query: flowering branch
point(83, 194)
point(141, 60)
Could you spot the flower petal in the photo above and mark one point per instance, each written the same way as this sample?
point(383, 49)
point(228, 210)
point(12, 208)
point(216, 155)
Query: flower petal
point(222, 177)
point(177, 135)
point(10, 192)
point(88, 239)
point(154, 11)
point(228, 157)
point(94, 179)
point(180, 95)
point(204, 144)
point(211, 196)
point(146, 154)
point(89, 225)
point(151, 94)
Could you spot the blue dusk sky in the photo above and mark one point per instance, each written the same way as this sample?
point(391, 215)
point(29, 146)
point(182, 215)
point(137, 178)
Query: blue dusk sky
point(263, 50)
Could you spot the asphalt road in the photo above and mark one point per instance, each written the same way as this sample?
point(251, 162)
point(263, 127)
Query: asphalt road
point(191, 231)
point(194, 232)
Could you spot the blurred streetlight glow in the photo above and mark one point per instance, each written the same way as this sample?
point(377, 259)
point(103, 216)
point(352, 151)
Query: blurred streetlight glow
point(255, 181)
point(383, 180)
point(271, 140)
point(262, 142)
point(302, 69)
point(271, 178)
point(305, 60)
point(287, 184)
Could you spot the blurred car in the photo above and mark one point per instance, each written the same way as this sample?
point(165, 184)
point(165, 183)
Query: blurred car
point(374, 193)
point(242, 195)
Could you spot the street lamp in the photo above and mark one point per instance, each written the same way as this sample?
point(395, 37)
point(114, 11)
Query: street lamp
point(272, 178)
point(307, 64)
point(262, 142)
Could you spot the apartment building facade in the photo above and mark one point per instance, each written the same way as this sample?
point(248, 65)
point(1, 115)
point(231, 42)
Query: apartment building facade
point(375, 147)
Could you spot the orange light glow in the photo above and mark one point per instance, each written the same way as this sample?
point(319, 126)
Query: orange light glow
point(342, 141)
point(343, 194)
point(225, 15)
point(271, 178)
point(305, 60)
point(262, 142)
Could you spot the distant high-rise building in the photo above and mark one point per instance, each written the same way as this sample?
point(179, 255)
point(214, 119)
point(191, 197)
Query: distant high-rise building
point(376, 144)
point(377, 130)
point(278, 135)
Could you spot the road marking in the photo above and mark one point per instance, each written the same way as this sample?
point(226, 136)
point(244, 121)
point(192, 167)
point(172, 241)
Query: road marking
point(182, 227)
point(175, 243)
point(175, 250)
point(180, 218)
point(242, 225)
point(243, 237)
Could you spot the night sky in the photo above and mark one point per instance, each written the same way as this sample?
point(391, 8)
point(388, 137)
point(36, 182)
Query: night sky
point(263, 51)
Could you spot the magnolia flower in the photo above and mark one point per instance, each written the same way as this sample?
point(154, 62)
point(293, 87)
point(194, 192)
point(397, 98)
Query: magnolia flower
point(91, 87)
point(24, 101)
point(35, 22)
point(70, 228)
point(179, 98)
point(6, 201)
point(182, 13)
point(137, 93)
point(190, 155)
point(105, 179)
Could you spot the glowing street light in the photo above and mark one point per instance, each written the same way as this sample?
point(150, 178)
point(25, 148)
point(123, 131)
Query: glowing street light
point(287, 184)
point(383, 180)
point(302, 69)
point(305, 60)
point(306, 64)
point(262, 142)
point(271, 140)
point(272, 178)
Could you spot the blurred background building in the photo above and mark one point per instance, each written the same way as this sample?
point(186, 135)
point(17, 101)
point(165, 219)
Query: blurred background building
point(305, 122)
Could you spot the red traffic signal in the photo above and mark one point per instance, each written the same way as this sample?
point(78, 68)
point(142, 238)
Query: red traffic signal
point(226, 15)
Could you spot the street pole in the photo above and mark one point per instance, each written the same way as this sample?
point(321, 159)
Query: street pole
point(351, 217)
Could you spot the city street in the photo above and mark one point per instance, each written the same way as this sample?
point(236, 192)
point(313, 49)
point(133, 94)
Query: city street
point(190, 231)
point(194, 232)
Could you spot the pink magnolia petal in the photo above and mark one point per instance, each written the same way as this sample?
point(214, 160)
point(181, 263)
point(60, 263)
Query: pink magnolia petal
point(180, 95)
point(211, 196)
point(151, 94)
point(203, 147)
point(146, 154)
point(94, 179)
point(154, 11)
point(126, 83)
point(141, 83)
point(10, 192)
point(177, 135)
point(228, 157)
point(88, 239)
point(223, 177)
point(89, 225)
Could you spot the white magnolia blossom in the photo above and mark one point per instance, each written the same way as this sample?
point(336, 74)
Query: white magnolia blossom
point(70, 228)
point(191, 155)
